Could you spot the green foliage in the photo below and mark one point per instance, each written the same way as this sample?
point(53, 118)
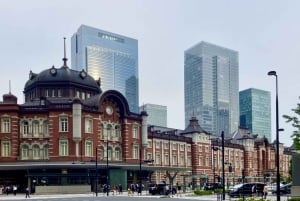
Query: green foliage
point(254, 199)
point(294, 199)
point(294, 120)
point(202, 192)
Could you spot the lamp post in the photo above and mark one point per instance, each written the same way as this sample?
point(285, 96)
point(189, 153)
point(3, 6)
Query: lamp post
point(107, 170)
point(96, 172)
point(273, 73)
point(223, 167)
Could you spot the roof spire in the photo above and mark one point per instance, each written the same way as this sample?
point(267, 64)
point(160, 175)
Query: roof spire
point(65, 58)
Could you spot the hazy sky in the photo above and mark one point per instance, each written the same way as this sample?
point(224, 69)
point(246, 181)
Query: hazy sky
point(265, 33)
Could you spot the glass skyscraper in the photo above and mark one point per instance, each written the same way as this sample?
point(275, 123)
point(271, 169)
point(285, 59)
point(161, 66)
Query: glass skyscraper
point(157, 114)
point(255, 111)
point(110, 57)
point(211, 87)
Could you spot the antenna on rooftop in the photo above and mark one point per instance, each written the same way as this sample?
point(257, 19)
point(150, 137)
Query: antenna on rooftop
point(9, 87)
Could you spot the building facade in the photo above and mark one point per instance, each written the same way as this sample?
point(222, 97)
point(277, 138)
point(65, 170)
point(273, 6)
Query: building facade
point(70, 137)
point(157, 114)
point(110, 57)
point(211, 87)
point(255, 111)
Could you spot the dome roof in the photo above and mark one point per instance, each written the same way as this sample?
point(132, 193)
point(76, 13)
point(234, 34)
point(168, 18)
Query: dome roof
point(63, 75)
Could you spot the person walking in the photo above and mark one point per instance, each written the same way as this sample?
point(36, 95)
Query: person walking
point(265, 192)
point(27, 193)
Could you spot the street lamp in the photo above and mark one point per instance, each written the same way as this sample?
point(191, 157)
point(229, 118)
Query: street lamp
point(223, 167)
point(107, 170)
point(273, 73)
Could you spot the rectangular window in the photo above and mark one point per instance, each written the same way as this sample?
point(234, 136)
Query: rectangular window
point(88, 125)
point(200, 161)
point(157, 158)
point(182, 147)
point(135, 132)
point(135, 153)
point(167, 162)
point(181, 160)
point(88, 148)
point(207, 161)
point(63, 124)
point(5, 125)
point(174, 161)
point(117, 154)
point(5, 149)
point(63, 148)
point(189, 161)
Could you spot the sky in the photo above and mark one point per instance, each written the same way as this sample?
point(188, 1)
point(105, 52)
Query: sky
point(266, 35)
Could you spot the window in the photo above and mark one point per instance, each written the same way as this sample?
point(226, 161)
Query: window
point(117, 154)
point(58, 92)
point(36, 151)
point(46, 151)
point(5, 148)
point(181, 160)
point(46, 128)
point(174, 161)
point(63, 148)
point(182, 147)
point(5, 125)
point(167, 162)
point(206, 161)
point(25, 127)
point(118, 131)
point(25, 152)
point(149, 144)
point(88, 148)
point(88, 125)
point(188, 148)
point(63, 122)
point(200, 161)
point(35, 128)
point(157, 158)
point(135, 151)
point(109, 130)
point(135, 131)
point(189, 161)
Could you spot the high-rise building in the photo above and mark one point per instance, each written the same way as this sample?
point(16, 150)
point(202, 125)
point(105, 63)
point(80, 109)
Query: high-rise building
point(110, 57)
point(211, 87)
point(157, 114)
point(255, 111)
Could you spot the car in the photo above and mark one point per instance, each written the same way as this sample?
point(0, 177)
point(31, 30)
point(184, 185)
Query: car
point(284, 189)
point(161, 189)
point(245, 189)
point(212, 186)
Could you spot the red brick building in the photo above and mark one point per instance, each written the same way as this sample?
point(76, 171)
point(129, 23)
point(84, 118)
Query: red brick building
point(70, 133)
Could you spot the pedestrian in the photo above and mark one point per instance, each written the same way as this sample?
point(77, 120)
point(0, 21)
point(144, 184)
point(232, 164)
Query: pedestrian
point(27, 193)
point(253, 190)
point(265, 192)
point(15, 190)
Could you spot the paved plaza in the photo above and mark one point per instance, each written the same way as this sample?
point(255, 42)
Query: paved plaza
point(124, 196)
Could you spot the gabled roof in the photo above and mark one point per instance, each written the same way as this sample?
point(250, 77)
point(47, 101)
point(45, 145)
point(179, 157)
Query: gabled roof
point(193, 127)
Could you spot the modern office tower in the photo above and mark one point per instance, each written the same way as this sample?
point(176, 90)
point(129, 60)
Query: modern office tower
point(211, 87)
point(157, 114)
point(111, 57)
point(255, 111)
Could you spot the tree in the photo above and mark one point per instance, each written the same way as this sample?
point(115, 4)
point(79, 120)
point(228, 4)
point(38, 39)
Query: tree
point(296, 124)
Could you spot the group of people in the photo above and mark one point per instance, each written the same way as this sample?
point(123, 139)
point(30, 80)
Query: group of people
point(264, 191)
point(13, 189)
point(132, 188)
